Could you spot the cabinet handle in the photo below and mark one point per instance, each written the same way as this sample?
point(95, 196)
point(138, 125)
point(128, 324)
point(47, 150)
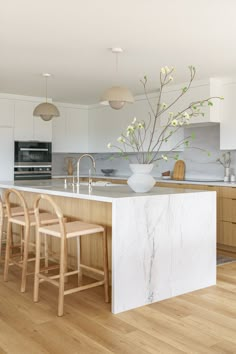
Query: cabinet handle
point(233, 222)
point(233, 198)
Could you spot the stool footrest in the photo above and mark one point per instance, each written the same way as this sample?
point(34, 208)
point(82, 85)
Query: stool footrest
point(83, 287)
point(95, 270)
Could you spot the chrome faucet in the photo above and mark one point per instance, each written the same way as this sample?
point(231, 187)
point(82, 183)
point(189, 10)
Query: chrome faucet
point(78, 163)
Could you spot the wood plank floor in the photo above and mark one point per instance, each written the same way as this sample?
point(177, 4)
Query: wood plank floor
point(201, 322)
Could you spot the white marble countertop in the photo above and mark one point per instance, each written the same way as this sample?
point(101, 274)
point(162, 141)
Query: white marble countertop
point(99, 193)
point(200, 181)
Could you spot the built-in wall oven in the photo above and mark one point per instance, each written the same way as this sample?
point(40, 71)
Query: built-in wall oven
point(33, 160)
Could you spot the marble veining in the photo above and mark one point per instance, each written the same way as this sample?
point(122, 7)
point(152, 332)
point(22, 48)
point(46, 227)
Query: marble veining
point(163, 247)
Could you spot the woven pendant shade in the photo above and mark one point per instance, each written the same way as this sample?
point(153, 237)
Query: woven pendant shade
point(46, 111)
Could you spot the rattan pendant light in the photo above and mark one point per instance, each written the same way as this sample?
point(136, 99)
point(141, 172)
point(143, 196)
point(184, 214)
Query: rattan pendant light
point(46, 110)
point(117, 96)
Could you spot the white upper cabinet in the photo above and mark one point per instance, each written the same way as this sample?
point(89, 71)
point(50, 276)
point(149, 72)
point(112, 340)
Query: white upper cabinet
point(6, 112)
point(28, 127)
point(199, 91)
point(6, 154)
point(106, 125)
point(228, 117)
point(70, 130)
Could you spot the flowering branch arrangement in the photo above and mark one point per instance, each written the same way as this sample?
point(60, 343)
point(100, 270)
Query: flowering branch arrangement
point(226, 159)
point(146, 138)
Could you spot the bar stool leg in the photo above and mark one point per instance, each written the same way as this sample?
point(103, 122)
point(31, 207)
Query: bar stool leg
point(21, 241)
point(7, 254)
point(45, 252)
point(37, 267)
point(63, 257)
point(78, 261)
point(105, 265)
point(25, 259)
point(1, 234)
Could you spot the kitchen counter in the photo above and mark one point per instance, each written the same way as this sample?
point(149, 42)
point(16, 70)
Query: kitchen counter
point(200, 181)
point(162, 243)
point(106, 193)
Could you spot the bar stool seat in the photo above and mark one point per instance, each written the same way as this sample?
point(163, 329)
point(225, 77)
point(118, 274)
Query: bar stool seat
point(26, 221)
point(64, 231)
point(72, 229)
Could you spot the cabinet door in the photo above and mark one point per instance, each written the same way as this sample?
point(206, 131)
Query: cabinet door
point(28, 127)
point(6, 154)
point(59, 132)
point(106, 125)
point(228, 118)
point(24, 120)
point(70, 130)
point(6, 112)
point(227, 235)
point(77, 130)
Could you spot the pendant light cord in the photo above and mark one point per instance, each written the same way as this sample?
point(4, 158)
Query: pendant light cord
point(117, 63)
point(46, 88)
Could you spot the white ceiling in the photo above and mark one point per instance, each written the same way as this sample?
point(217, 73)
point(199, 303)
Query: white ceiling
point(70, 39)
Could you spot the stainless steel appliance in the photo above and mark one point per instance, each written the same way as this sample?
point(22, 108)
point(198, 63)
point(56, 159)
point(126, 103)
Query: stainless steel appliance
point(33, 160)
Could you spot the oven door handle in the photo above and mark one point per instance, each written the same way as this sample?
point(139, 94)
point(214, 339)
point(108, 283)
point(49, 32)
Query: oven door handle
point(33, 149)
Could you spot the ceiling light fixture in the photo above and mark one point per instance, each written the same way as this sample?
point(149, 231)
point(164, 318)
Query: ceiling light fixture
point(117, 96)
point(46, 110)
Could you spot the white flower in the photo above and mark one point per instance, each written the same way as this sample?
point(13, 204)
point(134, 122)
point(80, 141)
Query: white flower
point(167, 70)
point(181, 123)
point(163, 71)
point(109, 145)
point(120, 139)
point(186, 115)
point(171, 78)
point(140, 125)
point(174, 122)
point(130, 128)
point(164, 157)
point(134, 120)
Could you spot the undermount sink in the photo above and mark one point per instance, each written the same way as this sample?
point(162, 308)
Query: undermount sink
point(100, 184)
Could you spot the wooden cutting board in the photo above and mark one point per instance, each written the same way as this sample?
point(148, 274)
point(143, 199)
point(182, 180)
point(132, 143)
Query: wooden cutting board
point(179, 170)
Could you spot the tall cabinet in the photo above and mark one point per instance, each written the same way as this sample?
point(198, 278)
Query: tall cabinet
point(70, 130)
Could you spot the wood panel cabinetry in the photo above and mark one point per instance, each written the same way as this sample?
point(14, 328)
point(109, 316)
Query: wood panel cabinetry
point(227, 237)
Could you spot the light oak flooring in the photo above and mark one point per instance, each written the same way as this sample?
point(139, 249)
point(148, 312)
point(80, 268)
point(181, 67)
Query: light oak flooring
point(201, 322)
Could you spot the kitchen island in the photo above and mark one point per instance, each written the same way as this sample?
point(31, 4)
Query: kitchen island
point(162, 243)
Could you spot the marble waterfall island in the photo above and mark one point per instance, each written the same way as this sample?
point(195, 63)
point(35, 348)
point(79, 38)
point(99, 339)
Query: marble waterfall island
point(162, 243)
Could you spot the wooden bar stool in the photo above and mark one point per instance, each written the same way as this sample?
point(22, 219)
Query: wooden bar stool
point(15, 211)
point(64, 231)
point(26, 220)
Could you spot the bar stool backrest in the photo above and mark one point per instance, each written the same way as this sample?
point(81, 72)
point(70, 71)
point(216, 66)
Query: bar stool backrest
point(56, 209)
point(21, 201)
point(1, 211)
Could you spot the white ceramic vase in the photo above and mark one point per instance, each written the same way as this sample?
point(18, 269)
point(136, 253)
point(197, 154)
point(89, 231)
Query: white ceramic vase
point(141, 181)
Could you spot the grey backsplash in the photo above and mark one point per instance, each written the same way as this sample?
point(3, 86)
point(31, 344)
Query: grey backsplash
point(198, 163)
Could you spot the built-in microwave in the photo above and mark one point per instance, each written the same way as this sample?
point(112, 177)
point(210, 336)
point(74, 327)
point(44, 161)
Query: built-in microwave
point(33, 160)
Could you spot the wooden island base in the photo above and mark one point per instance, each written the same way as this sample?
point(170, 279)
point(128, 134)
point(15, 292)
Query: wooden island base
point(95, 212)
